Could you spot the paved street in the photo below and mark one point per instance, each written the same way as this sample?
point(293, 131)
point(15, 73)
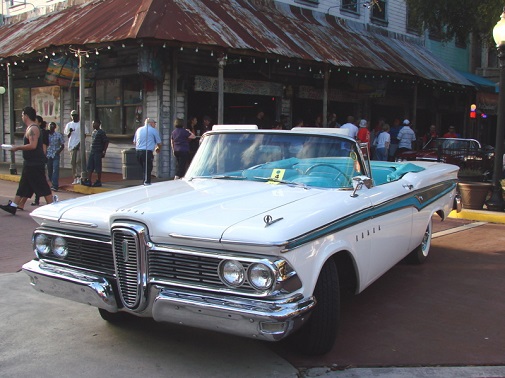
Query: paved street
point(448, 312)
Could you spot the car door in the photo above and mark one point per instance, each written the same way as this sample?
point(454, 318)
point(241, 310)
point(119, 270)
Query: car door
point(391, 226)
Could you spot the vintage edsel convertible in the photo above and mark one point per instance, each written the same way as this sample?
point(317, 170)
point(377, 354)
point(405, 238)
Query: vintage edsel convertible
point(258, 240)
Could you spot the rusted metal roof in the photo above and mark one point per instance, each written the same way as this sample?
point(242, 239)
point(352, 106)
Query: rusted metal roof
point(238, 26)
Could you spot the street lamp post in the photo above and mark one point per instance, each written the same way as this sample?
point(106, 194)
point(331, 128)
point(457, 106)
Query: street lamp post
point(496, 202)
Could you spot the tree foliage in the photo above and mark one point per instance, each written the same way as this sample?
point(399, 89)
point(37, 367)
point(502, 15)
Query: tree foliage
point(457, 18)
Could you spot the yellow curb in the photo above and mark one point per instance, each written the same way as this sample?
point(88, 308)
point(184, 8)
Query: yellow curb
point(9, 177)
point(76, 188)
point(479, 215)
point(83, 189)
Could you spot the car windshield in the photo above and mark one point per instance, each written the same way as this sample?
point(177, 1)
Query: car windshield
point(453, 146)
point(304, 160)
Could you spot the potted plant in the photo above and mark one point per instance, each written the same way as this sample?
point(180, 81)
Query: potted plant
point(472, 188)
point(471, 175)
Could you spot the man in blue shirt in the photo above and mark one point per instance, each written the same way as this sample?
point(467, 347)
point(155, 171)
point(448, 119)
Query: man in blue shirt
point(56, 145)
point(146, 140)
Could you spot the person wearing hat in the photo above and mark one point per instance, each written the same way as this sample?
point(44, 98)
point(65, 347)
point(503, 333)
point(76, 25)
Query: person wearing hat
point(405, 137)
point(364, 133)
point(73, 132)
point(147, 139)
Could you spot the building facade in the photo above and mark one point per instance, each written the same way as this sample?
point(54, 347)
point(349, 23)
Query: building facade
point(226, 60)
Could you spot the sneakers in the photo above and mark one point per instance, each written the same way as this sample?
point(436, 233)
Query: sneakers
point(9, 209)
point(97, 184)
point(54, 189)
point(77, 181)
point(86, 182)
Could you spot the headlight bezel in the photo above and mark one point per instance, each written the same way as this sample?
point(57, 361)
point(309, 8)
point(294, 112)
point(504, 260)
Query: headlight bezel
point(240, 271)
point(59, 247)
point(265, 268)
point(47, 243)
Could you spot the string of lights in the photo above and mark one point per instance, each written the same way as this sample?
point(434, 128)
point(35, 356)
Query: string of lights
point(282, 64)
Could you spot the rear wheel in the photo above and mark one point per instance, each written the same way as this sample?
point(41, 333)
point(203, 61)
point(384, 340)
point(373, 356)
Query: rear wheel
point(420, 254)
point(318, 335)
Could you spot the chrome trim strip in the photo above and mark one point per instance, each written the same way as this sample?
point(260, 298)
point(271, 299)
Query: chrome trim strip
point(78, 223)
point(194, 238)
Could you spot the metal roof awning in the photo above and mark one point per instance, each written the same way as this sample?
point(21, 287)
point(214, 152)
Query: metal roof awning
point(236, 26)
point(481, 82)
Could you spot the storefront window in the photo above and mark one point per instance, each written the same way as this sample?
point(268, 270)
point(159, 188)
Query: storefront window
point(350, 6)
point(119, 104)
point(379, 12)
point(21, 99)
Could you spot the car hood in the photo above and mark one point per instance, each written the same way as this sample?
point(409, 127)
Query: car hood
point(205, 209)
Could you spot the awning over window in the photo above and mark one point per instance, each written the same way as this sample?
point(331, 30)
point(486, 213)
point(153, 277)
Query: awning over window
point(236, 26)
point(481, 82)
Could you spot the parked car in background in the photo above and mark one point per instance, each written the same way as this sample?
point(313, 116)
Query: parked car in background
point(258, 240)
point(465, 153)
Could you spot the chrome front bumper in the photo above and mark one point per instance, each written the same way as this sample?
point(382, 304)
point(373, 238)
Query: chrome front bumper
point(261, 319)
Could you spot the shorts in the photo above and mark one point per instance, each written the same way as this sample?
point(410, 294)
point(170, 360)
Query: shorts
point(94, 162)
point(33, 180)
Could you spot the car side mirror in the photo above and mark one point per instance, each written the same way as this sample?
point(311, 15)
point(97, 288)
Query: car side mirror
point(358, 182)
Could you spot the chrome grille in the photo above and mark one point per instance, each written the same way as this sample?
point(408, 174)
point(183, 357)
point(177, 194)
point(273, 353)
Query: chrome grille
point(127, 259)
point(187, 269)
point(84, 252)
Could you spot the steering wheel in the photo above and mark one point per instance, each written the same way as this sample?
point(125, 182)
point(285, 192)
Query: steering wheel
point(340, 173)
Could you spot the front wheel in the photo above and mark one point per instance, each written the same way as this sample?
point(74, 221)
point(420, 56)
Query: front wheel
point(420, 254)
point(318, 335)
point(113, 317)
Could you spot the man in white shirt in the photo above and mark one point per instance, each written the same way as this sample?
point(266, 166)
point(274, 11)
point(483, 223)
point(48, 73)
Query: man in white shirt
point(147, 139)
point(406, 136)
point(353, 129)
point(73, 132)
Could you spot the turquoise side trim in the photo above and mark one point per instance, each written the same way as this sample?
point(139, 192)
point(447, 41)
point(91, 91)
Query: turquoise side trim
point(418, 199)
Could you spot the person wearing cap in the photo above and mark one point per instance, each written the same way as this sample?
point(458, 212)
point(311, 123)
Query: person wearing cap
point(147, 139)
point(405, 137)
point(451, 133)
point(364, 133)
point(73, 132)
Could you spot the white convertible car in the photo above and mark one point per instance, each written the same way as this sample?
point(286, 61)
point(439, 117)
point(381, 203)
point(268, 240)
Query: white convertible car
point(257, 240)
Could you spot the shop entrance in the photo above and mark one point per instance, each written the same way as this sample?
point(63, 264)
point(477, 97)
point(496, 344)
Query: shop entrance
point(238, 108)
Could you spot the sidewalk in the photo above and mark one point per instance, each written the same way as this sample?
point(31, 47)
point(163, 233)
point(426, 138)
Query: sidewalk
point(110, 181)
point(113, 181)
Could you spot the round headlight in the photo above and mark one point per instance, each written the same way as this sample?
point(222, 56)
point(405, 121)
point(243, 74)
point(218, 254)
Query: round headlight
point(232, 273)
point(260, 276)
point(42, 244)
point(60, 248)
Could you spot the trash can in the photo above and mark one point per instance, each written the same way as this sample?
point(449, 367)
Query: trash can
point(132, 170)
